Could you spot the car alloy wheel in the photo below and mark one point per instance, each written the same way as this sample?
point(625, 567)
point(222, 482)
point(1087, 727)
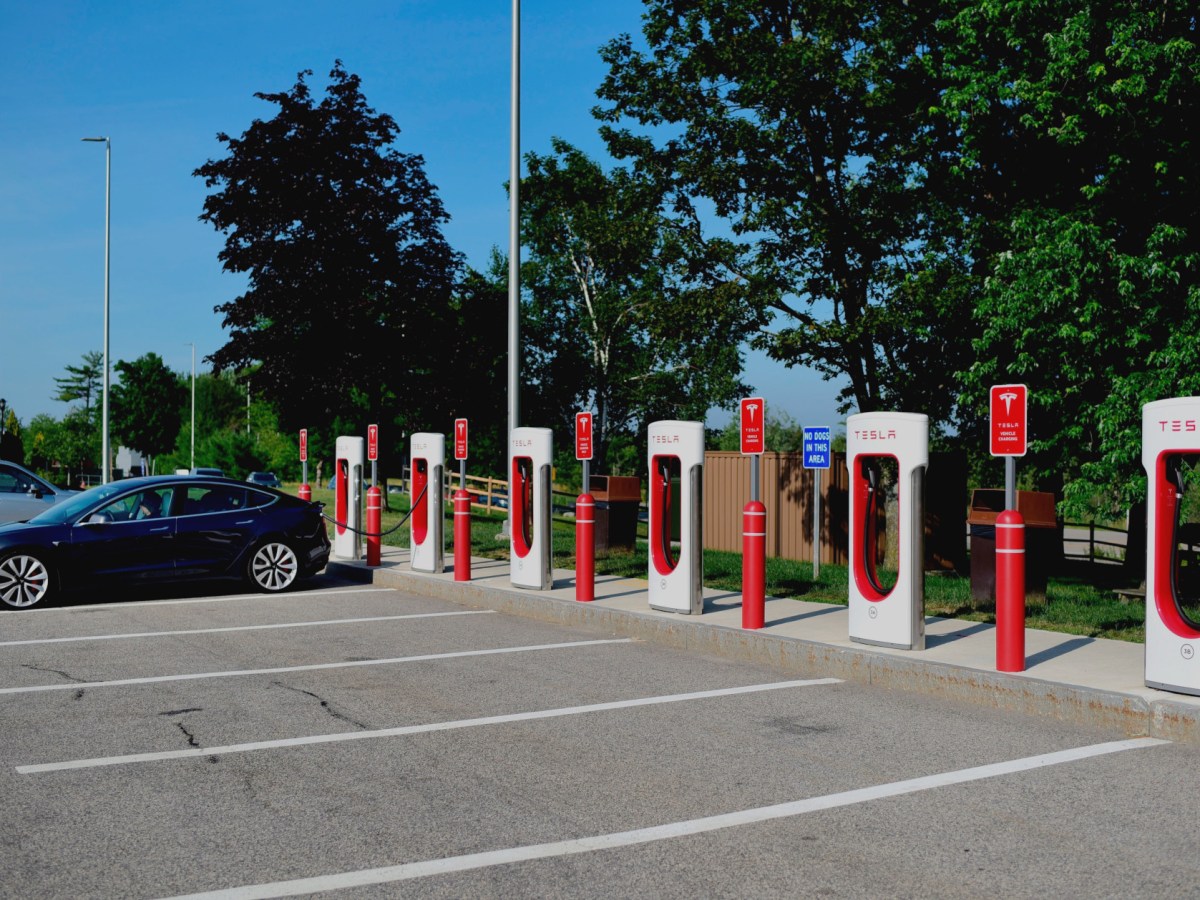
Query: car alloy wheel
point(274, 567)
point(24, 580)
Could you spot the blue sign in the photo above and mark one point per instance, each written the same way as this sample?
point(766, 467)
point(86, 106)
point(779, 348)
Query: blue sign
point(818, 447)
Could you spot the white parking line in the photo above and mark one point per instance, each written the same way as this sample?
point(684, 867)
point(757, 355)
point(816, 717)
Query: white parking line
point(156, 679)
point(117, 604)
point(408, 871)
point(42, 768)
point(144, 634)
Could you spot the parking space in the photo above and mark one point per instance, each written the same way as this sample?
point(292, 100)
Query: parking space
point(350, 738)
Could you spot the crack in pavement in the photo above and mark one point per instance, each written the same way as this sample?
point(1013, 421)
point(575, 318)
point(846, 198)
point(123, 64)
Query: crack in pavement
point(65, 675)
point(324, 705)
point(191, 738)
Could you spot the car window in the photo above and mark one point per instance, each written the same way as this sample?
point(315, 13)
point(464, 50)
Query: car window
point(211, 498)
point(152, 503)
point(13, 482)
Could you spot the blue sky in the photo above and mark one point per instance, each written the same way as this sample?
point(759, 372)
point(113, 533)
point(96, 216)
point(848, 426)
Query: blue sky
point(161, 79)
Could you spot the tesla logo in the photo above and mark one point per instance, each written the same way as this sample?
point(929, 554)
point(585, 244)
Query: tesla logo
point(751, 408)
point(1008, 397)
point(583, 426)
point(1177, 425)
point(665, 438)
point(462, 428)
point(873, 434)
point(522, 442)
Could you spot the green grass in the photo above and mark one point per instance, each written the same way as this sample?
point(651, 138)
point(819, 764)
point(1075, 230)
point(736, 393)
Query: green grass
point(1075, 604)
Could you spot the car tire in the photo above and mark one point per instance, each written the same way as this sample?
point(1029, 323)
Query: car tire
point(25, 580)
point(273, 567)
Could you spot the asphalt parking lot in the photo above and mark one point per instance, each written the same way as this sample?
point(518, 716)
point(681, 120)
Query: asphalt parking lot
point(352, 740)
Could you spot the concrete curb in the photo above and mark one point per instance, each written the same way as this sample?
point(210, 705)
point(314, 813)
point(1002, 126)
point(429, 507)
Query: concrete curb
point(1137, 714)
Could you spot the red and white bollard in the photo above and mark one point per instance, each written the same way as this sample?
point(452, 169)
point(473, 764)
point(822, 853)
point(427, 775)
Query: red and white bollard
point(374, 526)
point(585, 548)
point(754, 564)
point(306, 492)
point(462, 535)
point(1010, 592)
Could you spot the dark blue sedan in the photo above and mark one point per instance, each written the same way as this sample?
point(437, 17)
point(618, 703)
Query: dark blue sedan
point(162, 528)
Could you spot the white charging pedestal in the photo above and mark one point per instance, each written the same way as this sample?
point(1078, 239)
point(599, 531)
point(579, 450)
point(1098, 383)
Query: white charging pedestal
point(531, 456)
point(348, 497)
point(426, 465)
point(675, 452)
point(885, 617)
point(1170, 450)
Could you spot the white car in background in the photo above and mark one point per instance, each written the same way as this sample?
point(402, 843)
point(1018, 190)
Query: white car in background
point(23, 495)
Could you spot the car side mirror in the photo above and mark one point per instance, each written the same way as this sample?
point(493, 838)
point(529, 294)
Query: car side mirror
point(99, 518)
point(35, 492)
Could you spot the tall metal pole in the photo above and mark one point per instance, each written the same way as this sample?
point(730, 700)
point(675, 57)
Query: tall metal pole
point(193, 407)
point(105, 448)
point(514, 240)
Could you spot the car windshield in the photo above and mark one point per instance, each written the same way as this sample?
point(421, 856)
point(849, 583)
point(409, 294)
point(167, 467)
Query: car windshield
point(70, 509)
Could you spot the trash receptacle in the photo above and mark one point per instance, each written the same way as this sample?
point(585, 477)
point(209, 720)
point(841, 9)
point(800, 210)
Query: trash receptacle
point(1041, 533)
point(617, 498)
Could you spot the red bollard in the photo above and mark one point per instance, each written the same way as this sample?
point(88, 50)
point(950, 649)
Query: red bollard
point(306, 493)
point(754, 564)
point(585, 548)
point(462, 535)
point(1010, 592)
point(374, 526)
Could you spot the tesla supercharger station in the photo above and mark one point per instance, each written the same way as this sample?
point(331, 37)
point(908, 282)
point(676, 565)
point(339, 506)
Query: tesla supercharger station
point(895, 616)
point(532, 454)
point(1170, 454)
point(427, 462)
point(348, 497)
point(676, 457)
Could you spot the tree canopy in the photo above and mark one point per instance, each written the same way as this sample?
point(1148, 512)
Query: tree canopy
point(146, 405)
point(340, 236)
point(614, 313)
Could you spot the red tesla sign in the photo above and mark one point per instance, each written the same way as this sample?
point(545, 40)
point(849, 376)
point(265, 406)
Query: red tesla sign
point(754, 430)
point(303, 445)
point(583, 435)
point(460, 438)
point(372, 442)
point(1010, 424)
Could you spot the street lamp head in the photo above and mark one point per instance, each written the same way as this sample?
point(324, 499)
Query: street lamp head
point(99, 140)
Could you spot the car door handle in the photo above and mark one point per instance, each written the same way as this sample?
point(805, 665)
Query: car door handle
point(160, 530)
point(246, 522)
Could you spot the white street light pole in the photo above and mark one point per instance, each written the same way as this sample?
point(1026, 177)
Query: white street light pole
point(514, 242)
point(193, 407)
point(105, 448)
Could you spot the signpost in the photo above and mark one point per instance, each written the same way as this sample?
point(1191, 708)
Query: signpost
point(462, 506)
point(460, 451)
point(754, 515)
point(818, 455)
point(305, 489)
point(585, 513)
point(1009, 432)
point(373, 451)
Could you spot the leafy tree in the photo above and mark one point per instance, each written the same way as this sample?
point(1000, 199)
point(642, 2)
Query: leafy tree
point(806, 130)
point(1080, 122)
point(340, 236)
point(82, 382)
point(12, 447)
point(614, 320)
point(146, 405)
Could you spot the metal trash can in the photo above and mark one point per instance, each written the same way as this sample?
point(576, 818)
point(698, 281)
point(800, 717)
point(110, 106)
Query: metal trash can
point(1041, 534)
point(617, 499)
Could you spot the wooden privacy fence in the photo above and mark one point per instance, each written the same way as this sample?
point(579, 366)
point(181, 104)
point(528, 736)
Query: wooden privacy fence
point(787, 491)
